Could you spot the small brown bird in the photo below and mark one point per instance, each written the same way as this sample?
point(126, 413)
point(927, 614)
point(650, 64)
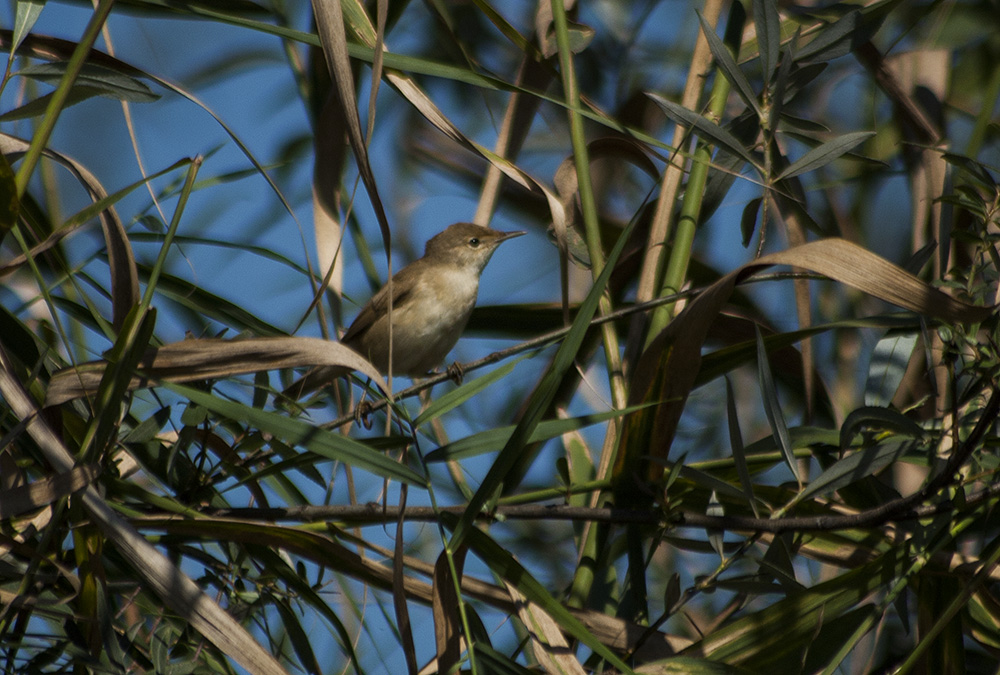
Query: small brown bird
point(432, 299)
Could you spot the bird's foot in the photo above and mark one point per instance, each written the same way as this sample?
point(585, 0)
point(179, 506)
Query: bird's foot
point(363, 414)
point(456, 372)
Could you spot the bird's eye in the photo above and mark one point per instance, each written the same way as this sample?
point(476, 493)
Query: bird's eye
point(474, 242)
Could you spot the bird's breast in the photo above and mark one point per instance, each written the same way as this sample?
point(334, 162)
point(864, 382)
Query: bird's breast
point(440, 301)
point(426, 323)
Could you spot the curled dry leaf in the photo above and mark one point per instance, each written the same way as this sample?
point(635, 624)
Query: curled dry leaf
point(328, 169)
point(668, 369)
point(212, 359)
point(124, 277)
point(447, 618)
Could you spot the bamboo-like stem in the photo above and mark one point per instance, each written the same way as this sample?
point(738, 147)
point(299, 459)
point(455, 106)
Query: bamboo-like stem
point(687, 223)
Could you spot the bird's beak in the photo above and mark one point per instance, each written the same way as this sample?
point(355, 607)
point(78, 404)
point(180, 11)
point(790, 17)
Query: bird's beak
point(504, 236)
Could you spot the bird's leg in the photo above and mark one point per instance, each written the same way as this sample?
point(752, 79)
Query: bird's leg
point(363, 411)
point(363, 414)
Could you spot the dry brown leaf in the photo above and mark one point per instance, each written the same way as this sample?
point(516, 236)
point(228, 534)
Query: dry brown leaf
point(551, 650)
point(124, 277)
point(667, 370)
point(447, 623)
point(25, 498)
point(330, 26)
point(328, 169)
point(209, 359)
point(518, 118)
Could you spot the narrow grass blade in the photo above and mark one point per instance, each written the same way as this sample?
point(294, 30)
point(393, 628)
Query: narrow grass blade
point(460, 395)
point(495, 439)
point(772, 407)
point(736, 443)
point(297, 432)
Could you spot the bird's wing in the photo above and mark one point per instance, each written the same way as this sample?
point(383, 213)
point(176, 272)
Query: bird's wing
point(376, 307)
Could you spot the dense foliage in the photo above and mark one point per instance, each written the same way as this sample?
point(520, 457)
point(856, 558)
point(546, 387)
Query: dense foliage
point(733, 407)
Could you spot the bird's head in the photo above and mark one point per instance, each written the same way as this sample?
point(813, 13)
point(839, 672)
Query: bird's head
point(466, 245)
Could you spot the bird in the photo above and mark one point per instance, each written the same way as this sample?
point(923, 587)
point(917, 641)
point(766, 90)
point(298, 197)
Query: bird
point(432, 300)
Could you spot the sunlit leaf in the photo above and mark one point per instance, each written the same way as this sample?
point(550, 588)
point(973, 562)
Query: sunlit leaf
point(25, 17)
point(888, 366)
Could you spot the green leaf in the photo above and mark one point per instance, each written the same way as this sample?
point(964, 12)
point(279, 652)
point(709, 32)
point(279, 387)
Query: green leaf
point(704, 480)
point(853, 468)
point(27, 14)
point(772, 407)
point(777, 633)
point(725, 61)
point(704, 127)
point(312, 438)
point(768, 24)
point(689, 665)
point(205, 304)
point(108, 82)
point(460, 395)
point(889, 361)
point(877, 418)
point(748, 222)
point(827, 651)
point(298, 636)
point(715, 535)
point(9, 203)
point(37, 107)
point(824, 154)
point(494, 439)
point(739, 452)
point(93, 80)
point(580, 36)
point(95, 208)
point(839, 38)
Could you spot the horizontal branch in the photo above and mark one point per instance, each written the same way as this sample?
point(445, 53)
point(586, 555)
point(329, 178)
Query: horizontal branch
point(371, 514)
